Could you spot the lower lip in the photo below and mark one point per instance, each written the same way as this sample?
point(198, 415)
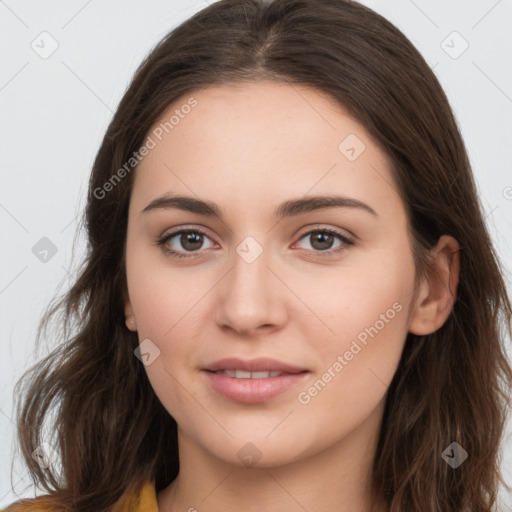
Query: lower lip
point(252, 391)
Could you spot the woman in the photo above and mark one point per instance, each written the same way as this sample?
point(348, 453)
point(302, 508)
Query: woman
point(290, 299)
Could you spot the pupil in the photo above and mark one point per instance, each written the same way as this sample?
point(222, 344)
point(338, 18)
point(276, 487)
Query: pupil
point(187, 238)
point(325, 236)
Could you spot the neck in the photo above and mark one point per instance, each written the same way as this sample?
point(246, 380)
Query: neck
point(338, 477)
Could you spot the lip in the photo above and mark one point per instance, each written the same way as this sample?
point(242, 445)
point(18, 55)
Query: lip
point(260, 364)
point(252, 391)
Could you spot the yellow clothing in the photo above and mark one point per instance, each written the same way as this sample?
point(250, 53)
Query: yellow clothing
point(144, 502)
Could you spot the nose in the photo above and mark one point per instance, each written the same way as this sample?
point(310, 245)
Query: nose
point(251, 298)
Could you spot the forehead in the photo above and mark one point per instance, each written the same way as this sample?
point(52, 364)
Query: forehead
point(260, 139)
point(275, 115)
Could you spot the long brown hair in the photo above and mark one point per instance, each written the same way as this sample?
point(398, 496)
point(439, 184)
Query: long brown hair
point(112, 433)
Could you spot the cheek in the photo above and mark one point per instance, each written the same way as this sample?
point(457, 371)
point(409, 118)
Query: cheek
point(369, 291)
point(358, 363)
point(162, 296)
point(164, 316)
point(170, 313)
point(366, 308)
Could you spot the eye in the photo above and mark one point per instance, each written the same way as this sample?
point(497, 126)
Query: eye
point(322, 239)
point(190, 240)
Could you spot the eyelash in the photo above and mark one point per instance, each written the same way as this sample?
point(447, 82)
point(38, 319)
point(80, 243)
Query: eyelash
point(327, 253)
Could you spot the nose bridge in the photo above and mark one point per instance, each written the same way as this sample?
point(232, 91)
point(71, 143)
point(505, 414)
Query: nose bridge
point(250, 266)
point(249, 298)
point(249, 280)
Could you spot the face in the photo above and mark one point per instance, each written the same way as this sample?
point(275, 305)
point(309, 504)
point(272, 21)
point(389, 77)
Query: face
point(327, 290)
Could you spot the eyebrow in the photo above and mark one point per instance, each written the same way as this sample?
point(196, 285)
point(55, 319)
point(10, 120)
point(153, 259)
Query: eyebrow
point(290, 208)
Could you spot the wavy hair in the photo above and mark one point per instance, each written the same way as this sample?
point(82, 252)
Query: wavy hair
point(112, 433)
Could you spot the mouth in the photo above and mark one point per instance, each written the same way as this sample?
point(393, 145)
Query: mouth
point(252, 381)
point(245, 368)
point(242, 374)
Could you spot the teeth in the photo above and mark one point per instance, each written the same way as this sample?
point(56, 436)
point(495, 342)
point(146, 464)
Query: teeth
point(242, 374)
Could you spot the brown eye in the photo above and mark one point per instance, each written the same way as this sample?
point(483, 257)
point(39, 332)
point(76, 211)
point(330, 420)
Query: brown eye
point(191, 240)
point(183, 241)
point(322, 240)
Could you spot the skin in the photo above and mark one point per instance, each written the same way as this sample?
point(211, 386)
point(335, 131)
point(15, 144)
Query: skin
point(248, 148)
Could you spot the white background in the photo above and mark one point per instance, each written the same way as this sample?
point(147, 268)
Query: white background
point(54, 113)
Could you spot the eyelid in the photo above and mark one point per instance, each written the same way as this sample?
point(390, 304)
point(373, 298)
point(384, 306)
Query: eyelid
point(346, 239)
point(326, 227)
point(163, 239)
point(186, 227)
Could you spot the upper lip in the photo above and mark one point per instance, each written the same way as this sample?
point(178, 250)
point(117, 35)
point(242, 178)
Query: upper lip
point(253, 365)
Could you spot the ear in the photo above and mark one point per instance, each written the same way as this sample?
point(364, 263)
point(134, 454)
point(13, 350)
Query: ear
point(128, 312)
point(438, 290)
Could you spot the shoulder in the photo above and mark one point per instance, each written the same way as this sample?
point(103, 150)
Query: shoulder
point(143, 501)
point(39, 504)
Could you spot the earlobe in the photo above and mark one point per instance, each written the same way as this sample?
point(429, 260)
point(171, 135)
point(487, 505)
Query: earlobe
point(130, 323)
point(438, 290)
point(128, 312)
